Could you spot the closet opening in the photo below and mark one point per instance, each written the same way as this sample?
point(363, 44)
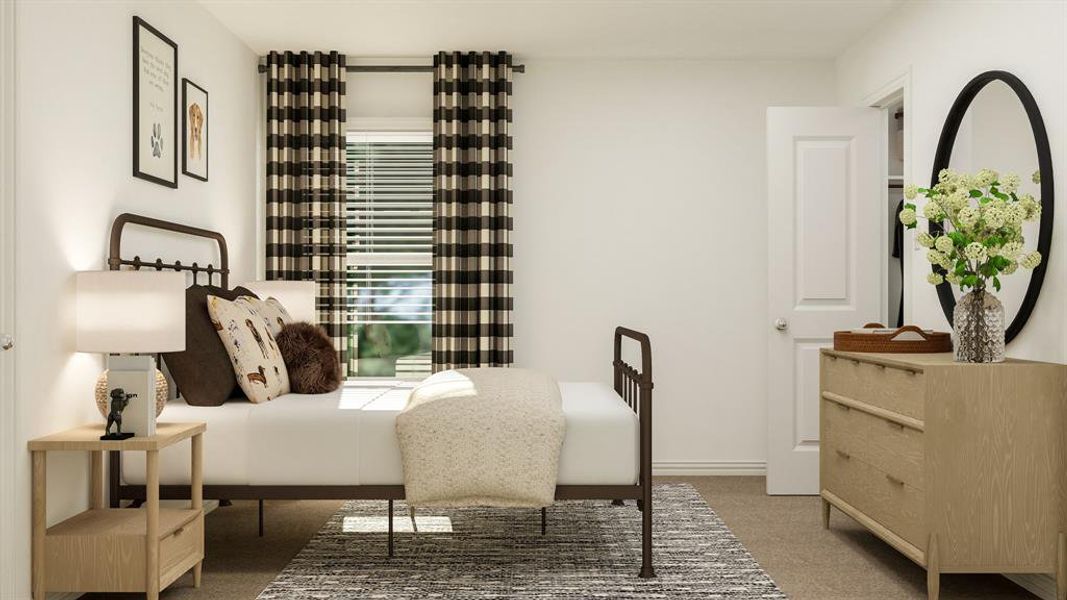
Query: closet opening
point(895, 280)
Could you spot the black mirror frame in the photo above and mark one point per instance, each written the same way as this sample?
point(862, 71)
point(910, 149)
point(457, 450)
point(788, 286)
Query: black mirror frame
point(1044, 165)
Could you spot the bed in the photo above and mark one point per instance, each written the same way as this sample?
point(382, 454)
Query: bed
point(276, 450)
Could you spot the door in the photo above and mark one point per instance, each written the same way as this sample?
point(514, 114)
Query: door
point(8, 451)
point(826, 217)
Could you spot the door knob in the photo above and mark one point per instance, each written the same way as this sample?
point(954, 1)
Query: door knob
point(6, 342)
point(781, 324)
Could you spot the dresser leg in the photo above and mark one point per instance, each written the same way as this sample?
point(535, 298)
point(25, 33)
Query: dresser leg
point(1061, 567)
point(197, 570)
point(933, 570)
point(825, 514)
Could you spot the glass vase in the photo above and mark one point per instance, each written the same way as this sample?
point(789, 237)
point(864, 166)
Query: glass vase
point(978, 328)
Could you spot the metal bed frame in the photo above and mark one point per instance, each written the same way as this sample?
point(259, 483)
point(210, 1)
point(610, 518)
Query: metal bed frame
point(633, 386)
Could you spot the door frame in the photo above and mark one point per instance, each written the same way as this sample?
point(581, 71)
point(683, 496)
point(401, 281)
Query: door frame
point(896, 90)
point(9, 454)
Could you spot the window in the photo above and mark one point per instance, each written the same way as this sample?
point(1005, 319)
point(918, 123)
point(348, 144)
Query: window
point(389, 214)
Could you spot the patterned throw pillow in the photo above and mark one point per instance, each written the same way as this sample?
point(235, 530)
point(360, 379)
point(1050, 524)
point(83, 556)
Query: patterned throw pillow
point(256, 359)
point(273, 313)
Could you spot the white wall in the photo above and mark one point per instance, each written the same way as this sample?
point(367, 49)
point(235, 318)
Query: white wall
point(640, 200)
point(944, 45)
point(74, 176)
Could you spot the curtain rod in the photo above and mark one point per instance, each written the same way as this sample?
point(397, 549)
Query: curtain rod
point(397, 68)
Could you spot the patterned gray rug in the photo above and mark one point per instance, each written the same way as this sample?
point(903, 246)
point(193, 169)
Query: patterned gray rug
point(592, 550)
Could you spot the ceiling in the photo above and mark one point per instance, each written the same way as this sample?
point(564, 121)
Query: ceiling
point(708, 29)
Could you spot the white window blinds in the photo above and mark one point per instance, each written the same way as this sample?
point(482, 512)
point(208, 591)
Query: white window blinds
point(390, 226)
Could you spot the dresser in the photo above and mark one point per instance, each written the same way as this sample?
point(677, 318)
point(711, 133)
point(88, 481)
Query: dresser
point(960, 467)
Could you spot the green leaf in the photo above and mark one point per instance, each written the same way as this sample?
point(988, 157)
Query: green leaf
point(976, 193)
point(996, 284)
point(961, 267)
point(970, 280)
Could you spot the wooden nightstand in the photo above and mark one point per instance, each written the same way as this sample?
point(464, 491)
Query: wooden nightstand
point(118, 549)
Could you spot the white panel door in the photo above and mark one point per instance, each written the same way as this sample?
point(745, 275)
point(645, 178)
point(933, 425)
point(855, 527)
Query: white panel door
point(826, 186)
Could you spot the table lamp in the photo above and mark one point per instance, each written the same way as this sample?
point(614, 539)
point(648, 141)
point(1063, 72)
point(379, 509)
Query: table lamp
point(130, 316)
point(298, 297)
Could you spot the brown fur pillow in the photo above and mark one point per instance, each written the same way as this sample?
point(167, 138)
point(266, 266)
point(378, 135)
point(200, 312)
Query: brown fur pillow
point(310, 358)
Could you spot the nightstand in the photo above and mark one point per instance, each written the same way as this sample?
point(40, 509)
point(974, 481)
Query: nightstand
point(118, 549)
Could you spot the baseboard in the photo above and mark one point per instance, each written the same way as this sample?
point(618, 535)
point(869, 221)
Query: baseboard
point(64, 595)
point(709, 468)
point(1041, 585)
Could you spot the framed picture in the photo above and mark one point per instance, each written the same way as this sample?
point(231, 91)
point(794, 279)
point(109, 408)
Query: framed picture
point(155, 105)
point(195, 119)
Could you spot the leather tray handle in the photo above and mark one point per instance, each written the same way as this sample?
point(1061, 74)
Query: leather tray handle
point(906, 329)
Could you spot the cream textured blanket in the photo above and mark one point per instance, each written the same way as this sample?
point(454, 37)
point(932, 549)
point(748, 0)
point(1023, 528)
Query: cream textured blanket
point(482, 437)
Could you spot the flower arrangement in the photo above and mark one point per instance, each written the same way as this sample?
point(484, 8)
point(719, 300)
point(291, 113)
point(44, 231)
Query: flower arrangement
point(984, 239)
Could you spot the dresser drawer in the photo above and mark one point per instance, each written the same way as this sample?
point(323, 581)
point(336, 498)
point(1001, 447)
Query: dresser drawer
point(846, 476)
point(896, 450)
point(845, 429)
point(181, 544)
point(894, 389)
point(897, 506)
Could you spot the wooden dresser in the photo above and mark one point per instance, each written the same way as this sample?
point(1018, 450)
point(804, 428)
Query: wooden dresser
point(960, 467)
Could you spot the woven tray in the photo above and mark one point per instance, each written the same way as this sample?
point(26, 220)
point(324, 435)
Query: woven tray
point(848, 341)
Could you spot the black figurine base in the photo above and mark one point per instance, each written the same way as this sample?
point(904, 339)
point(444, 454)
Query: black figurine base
point(117, 436)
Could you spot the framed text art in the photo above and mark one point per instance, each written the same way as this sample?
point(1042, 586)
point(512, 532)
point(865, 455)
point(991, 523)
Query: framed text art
point(155, 105)
point(195, 119)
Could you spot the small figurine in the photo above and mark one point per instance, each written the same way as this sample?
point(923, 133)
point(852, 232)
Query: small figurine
point(119, 401)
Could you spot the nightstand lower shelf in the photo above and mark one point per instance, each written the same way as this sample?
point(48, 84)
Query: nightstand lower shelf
point(103, 550)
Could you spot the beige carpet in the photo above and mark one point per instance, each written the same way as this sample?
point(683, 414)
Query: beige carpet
point(784, 534)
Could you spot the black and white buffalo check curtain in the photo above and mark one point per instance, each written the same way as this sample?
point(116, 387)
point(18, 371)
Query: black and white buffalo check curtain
point(472, 210)
point(305, 180)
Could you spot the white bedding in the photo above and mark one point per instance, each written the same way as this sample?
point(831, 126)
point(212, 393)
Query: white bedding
point(348, 437)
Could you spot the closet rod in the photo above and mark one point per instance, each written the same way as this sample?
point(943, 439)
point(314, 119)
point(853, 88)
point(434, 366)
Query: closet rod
point(397, 68)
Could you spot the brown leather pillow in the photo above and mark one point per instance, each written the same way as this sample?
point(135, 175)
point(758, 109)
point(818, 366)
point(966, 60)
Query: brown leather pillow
point(203, 373)
point(310, 358)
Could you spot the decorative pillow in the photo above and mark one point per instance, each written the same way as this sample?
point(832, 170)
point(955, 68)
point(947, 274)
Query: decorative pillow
point(257, 362)
point(310, 358)
point(274, 314)
point(202, 372)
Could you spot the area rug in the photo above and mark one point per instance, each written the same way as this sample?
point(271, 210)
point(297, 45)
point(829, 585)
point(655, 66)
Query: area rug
point(592, 549)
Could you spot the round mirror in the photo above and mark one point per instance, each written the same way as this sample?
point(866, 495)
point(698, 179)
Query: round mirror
point(995, 124)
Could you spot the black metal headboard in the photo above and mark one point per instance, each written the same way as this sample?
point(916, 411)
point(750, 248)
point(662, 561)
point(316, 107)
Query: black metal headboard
point(116, 262)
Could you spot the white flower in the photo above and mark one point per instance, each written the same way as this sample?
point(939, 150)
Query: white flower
point(907, 216)
point(935, 257)
point(933, 211)
point(935, 278)
point(925, 240)
point(985, 178)
point(911, 191)
point(957, 200)
point(1031, 206)
point(1008, 270)
point(953, 278)
point(1014, 214)
point(968, 216)
point(1009, 183)
point(976, 252)
point(1036, 177)
point(1011, 250)
point(947, 176)
point(1031, 260)
point(994, 216)
point(943, 244)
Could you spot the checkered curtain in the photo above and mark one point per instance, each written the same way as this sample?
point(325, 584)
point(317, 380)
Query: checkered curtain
point(305, 181)
point(472, 210)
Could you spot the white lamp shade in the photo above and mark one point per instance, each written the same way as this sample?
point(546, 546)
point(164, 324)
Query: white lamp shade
point(121, 312)
point(298, 297)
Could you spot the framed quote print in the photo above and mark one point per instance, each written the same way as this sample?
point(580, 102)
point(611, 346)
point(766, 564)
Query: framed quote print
point(195, 119)
point(155, 105)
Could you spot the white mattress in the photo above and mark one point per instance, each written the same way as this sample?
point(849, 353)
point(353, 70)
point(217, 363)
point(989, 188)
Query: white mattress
point(348, 437)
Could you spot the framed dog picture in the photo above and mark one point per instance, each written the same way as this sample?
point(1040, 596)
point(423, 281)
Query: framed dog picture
point(194, 130)
point(155, 105)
